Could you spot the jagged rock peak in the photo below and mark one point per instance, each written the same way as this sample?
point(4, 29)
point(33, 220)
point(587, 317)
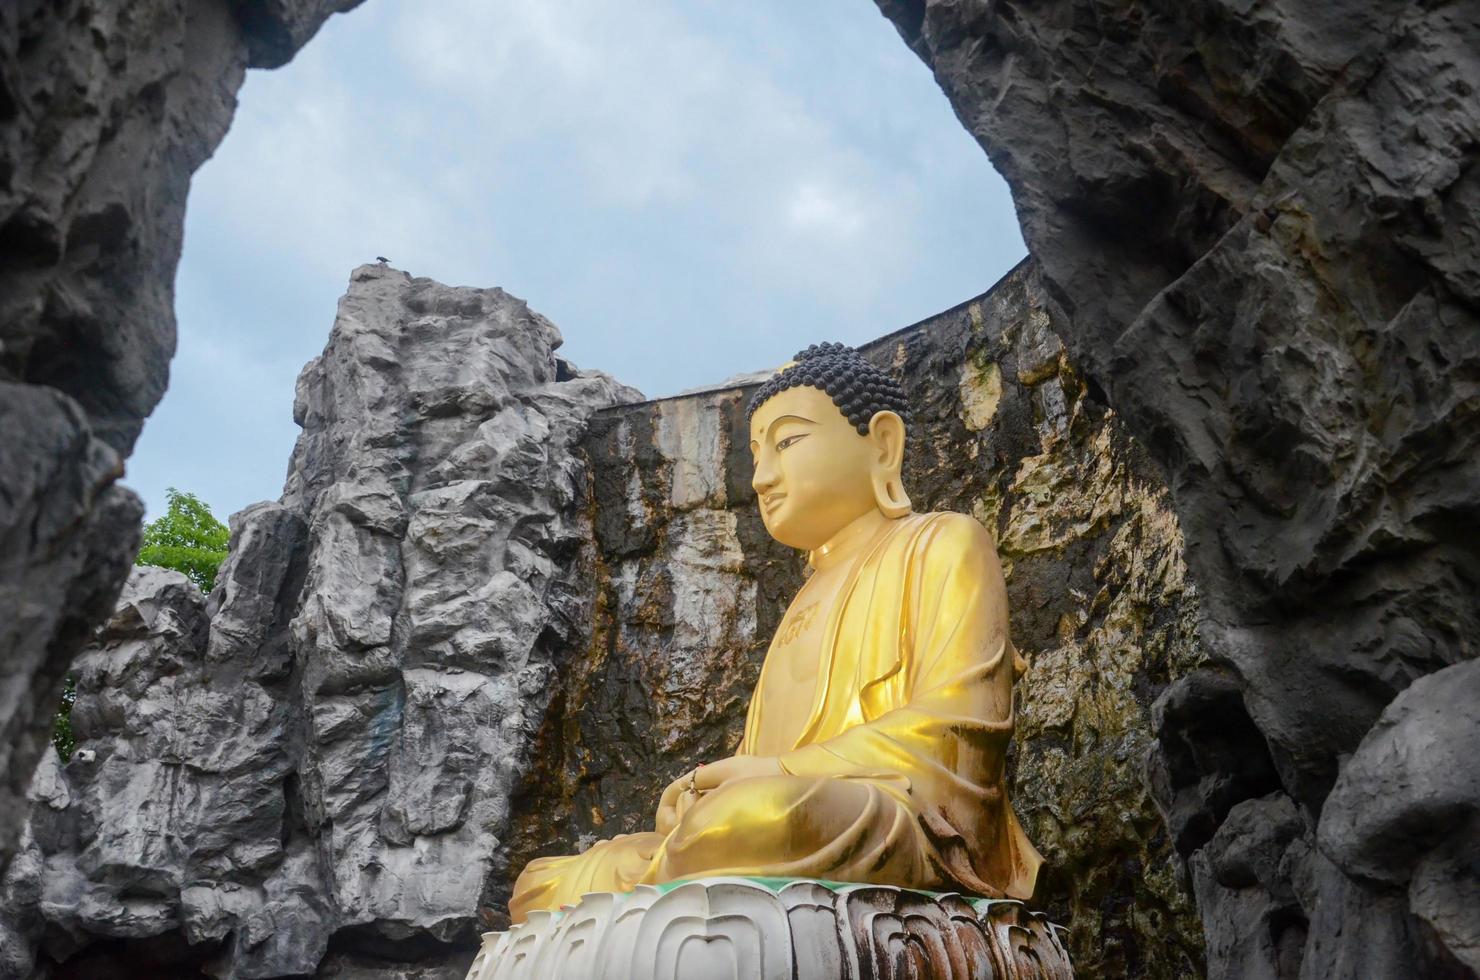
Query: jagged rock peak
point(321, 769)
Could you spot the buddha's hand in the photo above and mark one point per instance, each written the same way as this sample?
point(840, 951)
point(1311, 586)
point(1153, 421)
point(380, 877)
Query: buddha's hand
point(736, 767)
point(686, 790)
point(676, 799)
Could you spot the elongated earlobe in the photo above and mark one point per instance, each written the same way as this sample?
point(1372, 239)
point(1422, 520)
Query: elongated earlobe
point(889, 496)
point(887, 431)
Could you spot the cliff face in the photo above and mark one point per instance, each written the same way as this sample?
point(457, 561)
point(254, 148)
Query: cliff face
point(502, 603)
point(689, 588)
point(105, 112)
point(312, 771)
point(1260, 226)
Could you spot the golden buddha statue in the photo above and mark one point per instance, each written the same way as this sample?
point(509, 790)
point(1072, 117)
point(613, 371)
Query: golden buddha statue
point(875, 743)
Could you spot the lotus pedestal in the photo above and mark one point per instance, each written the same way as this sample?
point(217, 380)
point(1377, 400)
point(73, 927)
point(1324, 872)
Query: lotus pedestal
point(777, 929)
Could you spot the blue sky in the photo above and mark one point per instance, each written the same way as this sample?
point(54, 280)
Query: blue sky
point(688, 189)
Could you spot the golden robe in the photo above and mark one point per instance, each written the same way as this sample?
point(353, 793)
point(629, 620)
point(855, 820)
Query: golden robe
point(897, 775)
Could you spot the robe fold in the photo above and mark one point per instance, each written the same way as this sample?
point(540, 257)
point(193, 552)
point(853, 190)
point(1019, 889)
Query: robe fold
point(897, 775)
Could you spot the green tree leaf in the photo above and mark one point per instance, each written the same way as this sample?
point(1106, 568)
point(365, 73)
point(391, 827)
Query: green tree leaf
point(187, 538)
point(61, 728)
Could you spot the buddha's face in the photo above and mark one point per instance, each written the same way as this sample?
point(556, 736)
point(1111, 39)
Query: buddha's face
point(814, 474)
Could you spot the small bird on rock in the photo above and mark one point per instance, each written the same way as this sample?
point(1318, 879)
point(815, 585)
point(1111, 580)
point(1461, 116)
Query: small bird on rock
point(381, 259)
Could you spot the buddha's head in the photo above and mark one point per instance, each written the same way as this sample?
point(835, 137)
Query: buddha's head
point(827, 435)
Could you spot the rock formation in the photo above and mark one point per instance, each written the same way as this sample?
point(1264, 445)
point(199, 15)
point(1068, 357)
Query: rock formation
point(313, 771)
point(1261, 227)
point(106, 110)
point(1256, 228)
point(501, 603)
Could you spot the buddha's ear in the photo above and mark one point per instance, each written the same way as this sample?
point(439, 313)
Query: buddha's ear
point(886, 432)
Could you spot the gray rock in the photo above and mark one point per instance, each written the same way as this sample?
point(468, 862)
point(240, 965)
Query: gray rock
point(106, 110)
point(1209, 757)
point(1261, 223)
point(342, 966)
point(67, 537)
point(1356, 931)
point(274, 30)
point(436, 475)
point(1257, 924)
point(324, 751)
point(1405, 811)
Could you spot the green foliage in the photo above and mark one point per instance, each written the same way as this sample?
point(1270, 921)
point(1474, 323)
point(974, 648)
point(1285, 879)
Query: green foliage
point(61, 729)
point(187, 538)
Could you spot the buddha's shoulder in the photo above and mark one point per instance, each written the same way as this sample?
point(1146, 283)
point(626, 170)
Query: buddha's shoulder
point(948, 532)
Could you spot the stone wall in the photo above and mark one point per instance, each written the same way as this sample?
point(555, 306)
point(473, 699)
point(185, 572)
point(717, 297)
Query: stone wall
point(1261, 226)
point(689, 588)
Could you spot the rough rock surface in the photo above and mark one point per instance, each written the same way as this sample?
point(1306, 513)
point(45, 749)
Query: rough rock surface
point(689, 588)
point(1261, 223)
point(312, 771)
point(106, 109)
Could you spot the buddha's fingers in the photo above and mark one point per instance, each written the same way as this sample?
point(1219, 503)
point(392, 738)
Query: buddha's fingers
point(686, 801)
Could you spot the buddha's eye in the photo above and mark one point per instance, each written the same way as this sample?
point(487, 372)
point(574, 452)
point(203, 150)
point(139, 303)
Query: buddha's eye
point(789, 440)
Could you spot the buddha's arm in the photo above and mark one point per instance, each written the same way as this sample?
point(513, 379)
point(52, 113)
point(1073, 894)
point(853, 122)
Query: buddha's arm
point(954, 699)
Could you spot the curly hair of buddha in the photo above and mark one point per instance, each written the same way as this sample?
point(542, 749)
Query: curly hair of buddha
point(858, 388)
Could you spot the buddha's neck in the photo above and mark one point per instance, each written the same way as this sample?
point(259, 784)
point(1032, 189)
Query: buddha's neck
point(849, 541)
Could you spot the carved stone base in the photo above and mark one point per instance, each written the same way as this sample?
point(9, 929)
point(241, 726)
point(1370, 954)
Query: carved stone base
point(786, 929)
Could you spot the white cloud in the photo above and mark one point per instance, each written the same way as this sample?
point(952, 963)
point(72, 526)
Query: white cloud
point(313, 172)
point(816, 207)
point(657, 113)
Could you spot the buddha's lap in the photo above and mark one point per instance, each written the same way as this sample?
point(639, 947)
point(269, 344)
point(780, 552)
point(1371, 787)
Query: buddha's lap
point(824, 827)
point(757, 823)
point(770, 820)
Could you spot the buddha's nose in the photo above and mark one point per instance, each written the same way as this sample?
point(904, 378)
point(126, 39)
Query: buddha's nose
point(766, 476)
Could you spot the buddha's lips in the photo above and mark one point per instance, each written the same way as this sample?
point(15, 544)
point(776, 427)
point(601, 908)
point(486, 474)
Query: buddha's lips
point(772, 500)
